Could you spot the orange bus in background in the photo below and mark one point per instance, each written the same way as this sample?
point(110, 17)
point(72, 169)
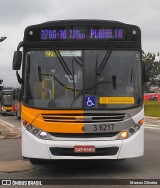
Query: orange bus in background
point(6, 101)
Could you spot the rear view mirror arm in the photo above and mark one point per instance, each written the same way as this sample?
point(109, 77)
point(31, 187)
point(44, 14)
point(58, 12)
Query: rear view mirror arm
point(20, 80)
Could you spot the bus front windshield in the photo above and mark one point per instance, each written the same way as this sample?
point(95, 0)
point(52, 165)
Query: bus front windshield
point(82, 79)
point(7, 100)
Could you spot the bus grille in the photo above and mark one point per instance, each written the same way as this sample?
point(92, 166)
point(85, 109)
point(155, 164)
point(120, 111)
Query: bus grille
point(86, 118)
point(85, 135)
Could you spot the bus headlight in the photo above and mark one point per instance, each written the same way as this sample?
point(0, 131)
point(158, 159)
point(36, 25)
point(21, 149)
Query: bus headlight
point(29, 127)
point(36, 131)
point(124, 134)
point(137, 126)
point(131, 130)
point(43, 135)
point(3, 109)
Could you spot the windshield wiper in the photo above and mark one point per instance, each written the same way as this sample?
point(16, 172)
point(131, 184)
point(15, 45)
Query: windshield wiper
point(96, 75)
point(132, 75)
point(104, 61)
point(74, 84)
point(28, 66)
point(101, 67)
point(114, 81)
point(39, 74)
point(63, 63)
point(81, 65)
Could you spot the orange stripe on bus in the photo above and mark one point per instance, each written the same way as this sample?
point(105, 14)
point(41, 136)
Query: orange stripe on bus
point(34, 117)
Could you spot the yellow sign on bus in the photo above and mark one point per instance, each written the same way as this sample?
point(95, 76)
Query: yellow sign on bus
point(116, 100)
point(49, 53)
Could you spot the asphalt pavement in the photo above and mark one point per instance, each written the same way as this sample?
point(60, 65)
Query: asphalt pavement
point(8, 130)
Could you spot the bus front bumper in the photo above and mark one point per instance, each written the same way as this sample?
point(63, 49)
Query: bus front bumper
point(33, 147)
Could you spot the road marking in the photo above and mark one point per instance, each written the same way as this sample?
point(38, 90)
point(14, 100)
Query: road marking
point(152, 128)
point(151, 125)
point(152, 120)
point(19, 128)
point(7, 123)
point(7, 127)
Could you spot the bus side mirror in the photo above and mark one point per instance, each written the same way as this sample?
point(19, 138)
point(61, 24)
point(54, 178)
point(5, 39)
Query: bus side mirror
point(17, 59)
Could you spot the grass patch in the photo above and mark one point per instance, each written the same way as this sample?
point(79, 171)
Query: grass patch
point(152, 108)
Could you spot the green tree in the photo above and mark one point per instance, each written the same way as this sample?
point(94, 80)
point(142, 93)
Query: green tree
point(152, 70)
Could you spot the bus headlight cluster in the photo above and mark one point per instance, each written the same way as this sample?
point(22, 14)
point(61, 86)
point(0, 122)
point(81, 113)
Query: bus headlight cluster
point(131, 130)
point(3, 109)
point(35, 131)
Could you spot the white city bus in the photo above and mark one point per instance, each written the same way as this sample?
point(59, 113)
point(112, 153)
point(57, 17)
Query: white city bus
point(82, 95)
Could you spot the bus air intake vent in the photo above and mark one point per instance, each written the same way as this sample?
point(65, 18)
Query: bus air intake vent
point(70, 152)
point(80, 118)
point(86, 135)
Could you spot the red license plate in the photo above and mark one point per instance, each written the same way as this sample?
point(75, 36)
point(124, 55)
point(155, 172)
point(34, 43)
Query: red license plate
point(84, 149)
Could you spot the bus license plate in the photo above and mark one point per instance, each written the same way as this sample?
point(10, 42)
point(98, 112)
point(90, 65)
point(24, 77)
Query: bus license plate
point(84, 149)
point(99, 128)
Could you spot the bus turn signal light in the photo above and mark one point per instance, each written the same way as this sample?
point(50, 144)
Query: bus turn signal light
point(24, 122)
point(141, 122)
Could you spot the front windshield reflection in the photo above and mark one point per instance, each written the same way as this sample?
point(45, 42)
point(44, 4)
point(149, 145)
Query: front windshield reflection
point(49, 86)
point(7, 100)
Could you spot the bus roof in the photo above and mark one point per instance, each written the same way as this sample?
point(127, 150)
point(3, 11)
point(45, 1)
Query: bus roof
point(36, 35)
point(82, 22)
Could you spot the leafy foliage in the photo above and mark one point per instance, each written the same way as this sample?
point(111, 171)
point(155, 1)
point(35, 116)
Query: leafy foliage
point(152, 70)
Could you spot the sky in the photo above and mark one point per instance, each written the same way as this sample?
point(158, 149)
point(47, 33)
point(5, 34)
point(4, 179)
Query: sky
point(16, 15)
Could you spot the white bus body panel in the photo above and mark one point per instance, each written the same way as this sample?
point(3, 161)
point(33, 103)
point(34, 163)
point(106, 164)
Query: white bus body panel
point(134, 146)
point(33, 147)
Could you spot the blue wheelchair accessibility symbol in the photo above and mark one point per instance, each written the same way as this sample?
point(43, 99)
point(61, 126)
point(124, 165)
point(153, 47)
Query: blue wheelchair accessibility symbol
point(90, 101)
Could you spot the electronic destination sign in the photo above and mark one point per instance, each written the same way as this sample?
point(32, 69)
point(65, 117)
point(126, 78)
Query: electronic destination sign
point(80, 34)
point(76, 33)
